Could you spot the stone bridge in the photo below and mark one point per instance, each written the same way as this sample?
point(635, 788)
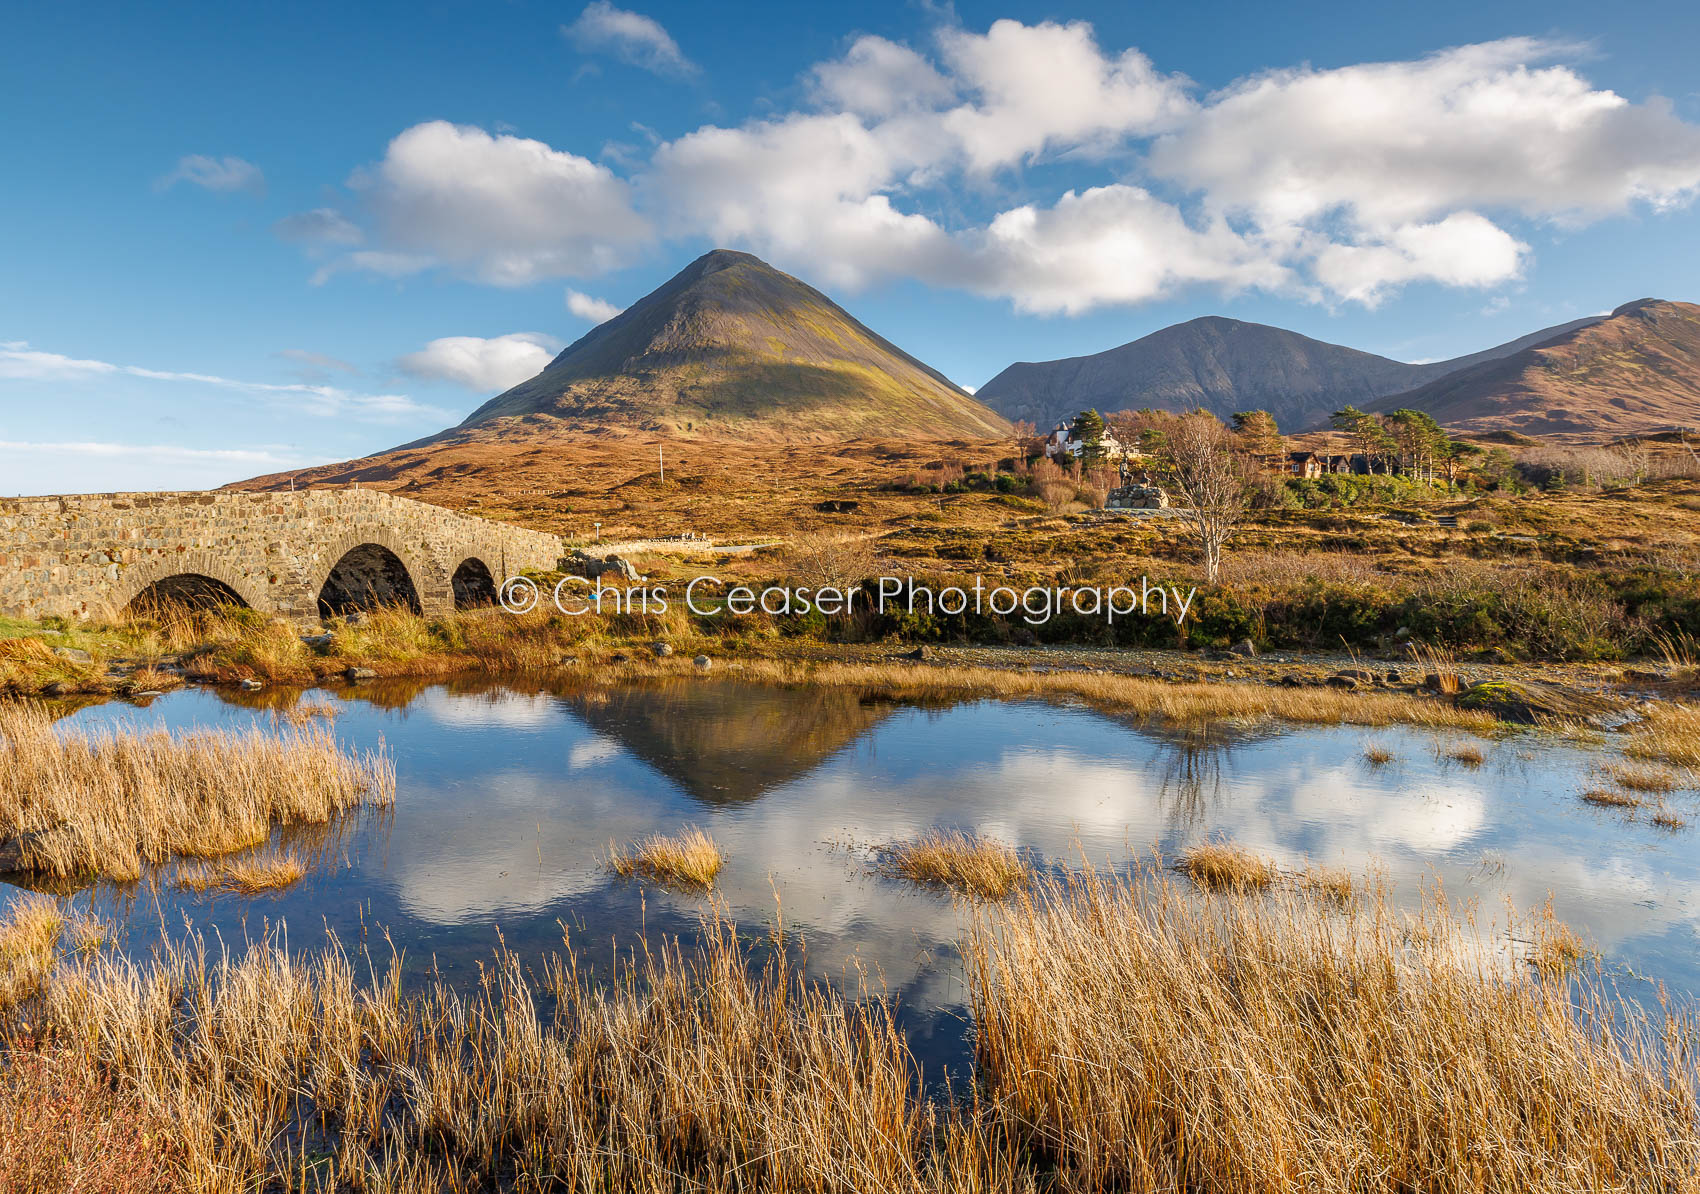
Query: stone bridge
point(301, 555)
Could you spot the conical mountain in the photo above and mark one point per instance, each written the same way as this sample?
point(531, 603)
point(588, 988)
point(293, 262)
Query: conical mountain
point(732, 346)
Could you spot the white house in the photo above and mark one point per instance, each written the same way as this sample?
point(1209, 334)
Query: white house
point(1061, 440)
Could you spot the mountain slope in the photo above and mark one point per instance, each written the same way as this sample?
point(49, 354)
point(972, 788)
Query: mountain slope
point(1221, 365)
point(1637, 370)
point(732, 346)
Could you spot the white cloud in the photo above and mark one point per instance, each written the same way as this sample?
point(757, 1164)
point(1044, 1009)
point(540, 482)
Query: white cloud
point(629, 36)
point(501, 209)
point(591, 308)
point(1338, 185)
point(482, 364)
point(320, 227)
point(159, 453)
point(19, 362)
point(1048, 85)
point(877, 77)
point(216, 174)
point(1461, 250)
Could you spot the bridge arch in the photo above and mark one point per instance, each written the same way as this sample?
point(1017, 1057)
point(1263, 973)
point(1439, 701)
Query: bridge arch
point(473, 584)
point(368, 573)
point(198, 577)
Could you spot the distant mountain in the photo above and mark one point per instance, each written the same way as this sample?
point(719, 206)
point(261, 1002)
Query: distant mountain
point(1634, 371)
point(732, 346)
point(1221, 365)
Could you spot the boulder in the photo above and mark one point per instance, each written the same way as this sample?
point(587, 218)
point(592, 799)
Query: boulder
point(662, 650)
point(1533, 701)
point(703, 663)
point(591, 567)
point(318, 642)
point(919, 653)
point(56, 689)
point(359, 673)
point(249, 684)
point(15, 850)
point(1244, 647)
point(1342, 681)
point(838, 506)
point(73, 654)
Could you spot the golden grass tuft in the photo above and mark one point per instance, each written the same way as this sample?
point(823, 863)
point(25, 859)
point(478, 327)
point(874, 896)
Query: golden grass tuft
point(1607, 798)
point(1333, 884)
point(1556, 948)
point(112, 802)
point(1668, 820)
point(1642, 779)
point(1672, 735)
point(689, 859)
point(245, 876)
point(1377, 755)
point(1468, 755)
point(1223, 866)
point(962, 862)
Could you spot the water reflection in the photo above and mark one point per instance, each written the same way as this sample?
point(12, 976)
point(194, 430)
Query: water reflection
point(509, 797)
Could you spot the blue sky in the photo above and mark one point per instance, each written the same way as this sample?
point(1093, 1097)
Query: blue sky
point(239, 238)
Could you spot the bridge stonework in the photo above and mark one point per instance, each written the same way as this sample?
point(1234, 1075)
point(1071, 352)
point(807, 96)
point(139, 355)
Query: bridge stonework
point(88, 556)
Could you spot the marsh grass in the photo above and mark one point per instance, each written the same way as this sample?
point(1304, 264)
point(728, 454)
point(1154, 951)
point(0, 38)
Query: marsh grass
point(1641, 779)
point(689, 859)
point(1334, 884)
point(1181, 703)
point(1140, 1040)
point(252, 875)
point(1224, 866)
point(966, 863)
point(1467, 755)
point(1377, 755)
point(1672, 736)
point(1555, 948)
point(1607, 798)
point(1670, 821)
point(115, 801)
point(1314, 1048)
point(1439, 662)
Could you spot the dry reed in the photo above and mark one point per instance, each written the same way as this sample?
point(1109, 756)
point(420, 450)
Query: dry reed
point(689, 859)
point(1468, 755)
point(1641, 779)
point(1127, 1035)
point(1223, 866)
point(253, 875)
point(1665, 819)
point(962, 862)
point(112, 802)
point(1140, 1040)
point(1377, 756)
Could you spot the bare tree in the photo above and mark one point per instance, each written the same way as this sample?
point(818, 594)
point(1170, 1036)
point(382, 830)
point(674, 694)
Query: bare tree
point(1208, 477)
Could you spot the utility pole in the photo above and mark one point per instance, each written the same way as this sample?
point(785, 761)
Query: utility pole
point(661, 457)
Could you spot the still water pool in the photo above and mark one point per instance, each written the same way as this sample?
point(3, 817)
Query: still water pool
point(509, 796)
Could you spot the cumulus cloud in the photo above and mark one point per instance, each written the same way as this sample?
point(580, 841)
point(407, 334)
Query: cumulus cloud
point(216, 174)
point(501, 209)
point(593, 309)
point(20, 362)
point(482, 364)
point(932, 163)
point(629, 36)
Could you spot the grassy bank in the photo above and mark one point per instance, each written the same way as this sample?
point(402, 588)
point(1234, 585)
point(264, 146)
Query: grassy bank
point(1128, 1035)
point(110, 803)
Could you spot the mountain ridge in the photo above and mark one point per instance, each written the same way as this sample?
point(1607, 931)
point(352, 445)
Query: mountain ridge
point(1225, 365)
point(1634, 371)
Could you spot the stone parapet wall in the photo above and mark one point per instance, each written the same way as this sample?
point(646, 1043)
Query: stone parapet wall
point(88, 556)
